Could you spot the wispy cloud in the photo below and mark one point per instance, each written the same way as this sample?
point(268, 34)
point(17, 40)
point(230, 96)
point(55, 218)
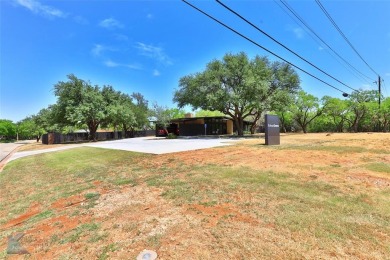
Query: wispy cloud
point(156, 73)
point(99, 49)
point(299, 32)
point(154, 52)
point(149, 16)
point(111, 23)
point(38, 8)
point(113, 64)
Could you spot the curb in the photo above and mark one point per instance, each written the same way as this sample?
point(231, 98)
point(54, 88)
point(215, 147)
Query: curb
point(4, 161)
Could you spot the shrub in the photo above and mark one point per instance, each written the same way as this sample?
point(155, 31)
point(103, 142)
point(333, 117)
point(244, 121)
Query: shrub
point(171, 136)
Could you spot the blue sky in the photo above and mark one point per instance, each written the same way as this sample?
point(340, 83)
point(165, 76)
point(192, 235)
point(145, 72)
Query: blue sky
point(146, 46)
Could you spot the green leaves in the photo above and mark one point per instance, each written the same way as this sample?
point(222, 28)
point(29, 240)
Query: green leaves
point(80, 103)
point(7, 129)
point(305, 109)
point(238, 86)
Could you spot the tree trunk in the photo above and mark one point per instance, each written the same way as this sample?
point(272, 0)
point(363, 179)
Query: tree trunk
point(239, 122)
point(254, 124)
point(302, 124)
point(92, 126)
point(304, 129)
point(282, 122)
point(253, 127)
point(355, 125)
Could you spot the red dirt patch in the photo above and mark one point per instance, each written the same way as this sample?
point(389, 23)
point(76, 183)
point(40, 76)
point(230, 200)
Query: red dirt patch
point(213, 214)
point(68, 202)
point(33, 210)
point(130, 219)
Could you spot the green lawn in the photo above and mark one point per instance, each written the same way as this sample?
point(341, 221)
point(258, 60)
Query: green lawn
point(246, 212)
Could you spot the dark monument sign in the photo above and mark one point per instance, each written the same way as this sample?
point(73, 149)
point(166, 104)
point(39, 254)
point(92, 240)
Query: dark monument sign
point(272, 130)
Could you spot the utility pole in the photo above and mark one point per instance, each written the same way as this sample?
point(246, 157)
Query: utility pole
point(379, 88)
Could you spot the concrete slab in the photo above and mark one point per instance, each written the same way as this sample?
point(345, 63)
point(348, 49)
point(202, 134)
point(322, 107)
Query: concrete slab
point(7, 148)
point(150, 145)
point(161, 145)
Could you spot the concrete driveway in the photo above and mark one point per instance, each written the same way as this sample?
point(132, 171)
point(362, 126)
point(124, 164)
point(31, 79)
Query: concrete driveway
point(7, 148)
point(150, 145)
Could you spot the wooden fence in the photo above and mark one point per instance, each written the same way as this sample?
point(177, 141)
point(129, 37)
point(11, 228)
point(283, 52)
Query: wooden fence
point(58, 138)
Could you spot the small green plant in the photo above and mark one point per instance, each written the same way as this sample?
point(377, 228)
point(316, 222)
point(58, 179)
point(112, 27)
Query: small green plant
point(379, 167)
point(171, 136)
point(77, 232)
point(43, 215)
point(106, 249)
point(89, 196)
point(154, 241)
point(91, 199)
point(97, 237)
point(130, 182)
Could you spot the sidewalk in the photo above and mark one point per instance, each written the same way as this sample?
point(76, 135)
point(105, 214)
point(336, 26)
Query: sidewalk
point(8, 149)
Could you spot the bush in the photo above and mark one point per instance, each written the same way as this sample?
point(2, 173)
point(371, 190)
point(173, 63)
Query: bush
point(171, 136)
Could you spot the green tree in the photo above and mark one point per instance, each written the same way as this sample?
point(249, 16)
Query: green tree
point(283, 110)
point(236, 86)
point(305, 109)
point(337, 110)
point(384, 115)
point(140, 110)
point(206, 113)
point(80, 102)
point(286, 120)
point(119, 109)
point(359, 104)
point(176, 113)
point(28, 129)
point(163, 115)
point(7, 129)
point(322, 123)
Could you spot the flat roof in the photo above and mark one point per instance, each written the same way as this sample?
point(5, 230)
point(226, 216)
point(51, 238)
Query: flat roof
point(204, 117)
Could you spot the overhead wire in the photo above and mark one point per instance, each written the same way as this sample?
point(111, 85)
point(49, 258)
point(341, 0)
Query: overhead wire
point(304, 23)
point(281, 44)
point(260, 46)
point(343, 35)
point(350, 68)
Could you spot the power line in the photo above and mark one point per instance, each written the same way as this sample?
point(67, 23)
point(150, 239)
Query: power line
point(329, 49)
point(342, 34)
point(258, 45)
point(318, 37)
point(281, 44)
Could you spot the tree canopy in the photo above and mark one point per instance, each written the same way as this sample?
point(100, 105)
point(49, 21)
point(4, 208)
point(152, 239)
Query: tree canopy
point(7, 129)
point(305, 109)
point(238, 86)
point(80, 103)
point(235, 86)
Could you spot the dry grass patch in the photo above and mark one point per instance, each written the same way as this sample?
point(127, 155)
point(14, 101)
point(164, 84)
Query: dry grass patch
point(312, 197)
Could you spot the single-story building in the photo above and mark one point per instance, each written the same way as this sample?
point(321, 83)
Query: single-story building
point(216, 125)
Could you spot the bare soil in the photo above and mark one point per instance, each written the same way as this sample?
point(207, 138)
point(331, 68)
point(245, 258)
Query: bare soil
point(130, 218)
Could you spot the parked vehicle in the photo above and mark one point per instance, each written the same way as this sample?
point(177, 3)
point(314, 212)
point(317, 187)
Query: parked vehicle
point(162, 130)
